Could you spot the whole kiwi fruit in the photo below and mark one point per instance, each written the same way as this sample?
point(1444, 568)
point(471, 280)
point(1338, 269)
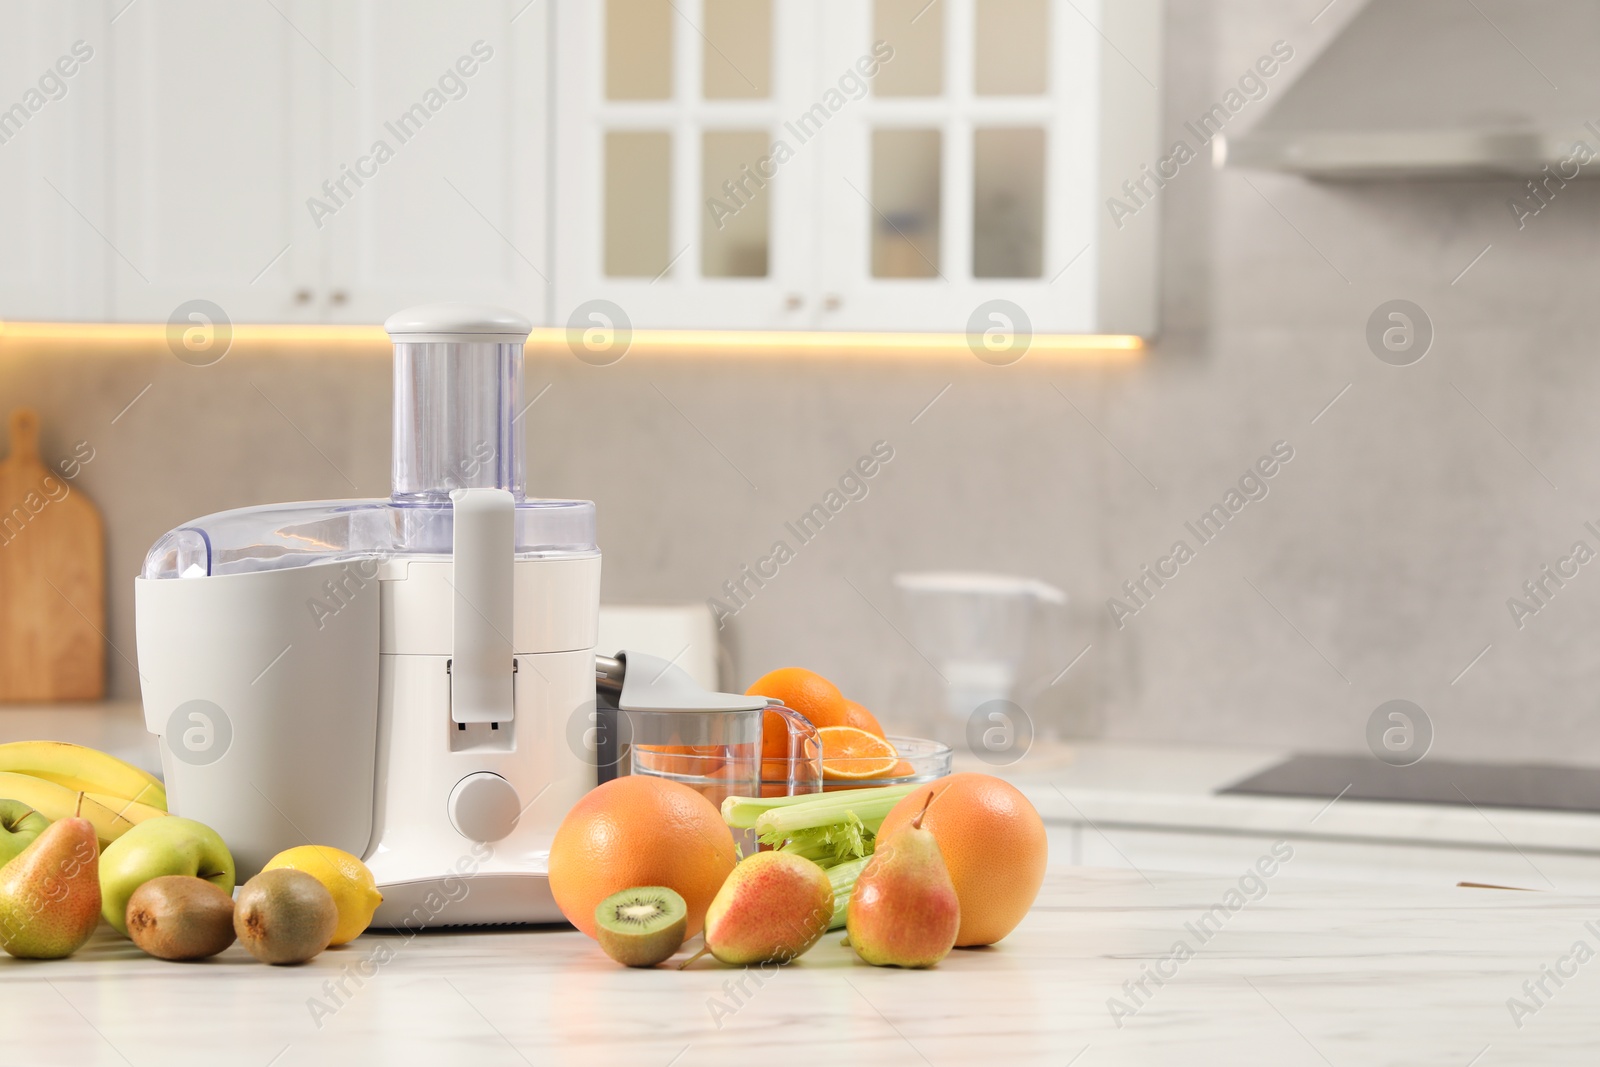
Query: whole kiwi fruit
point(180, 917)
point(284, 916)
point(641, 927)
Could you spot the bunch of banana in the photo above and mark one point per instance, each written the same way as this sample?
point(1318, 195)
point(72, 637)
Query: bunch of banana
point(59, 780)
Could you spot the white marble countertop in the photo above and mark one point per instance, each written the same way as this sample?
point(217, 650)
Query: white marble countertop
point(1310, 973)
point(1126, 785)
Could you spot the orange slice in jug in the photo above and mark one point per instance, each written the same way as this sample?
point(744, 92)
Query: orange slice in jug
point(852, 754)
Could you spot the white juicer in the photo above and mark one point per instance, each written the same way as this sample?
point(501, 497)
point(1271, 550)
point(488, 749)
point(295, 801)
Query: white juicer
point(411, 680)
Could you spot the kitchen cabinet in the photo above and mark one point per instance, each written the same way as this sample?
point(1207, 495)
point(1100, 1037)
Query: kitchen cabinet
point(894, 165)
point(436, 153)
point(54, 258)
point(726, 164)
point(329, 163)
point(215, 139)
point(664, 103)
point(288, 162)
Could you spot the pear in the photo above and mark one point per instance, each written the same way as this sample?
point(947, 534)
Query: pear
point(772, 907)
point(904, 911)
point(50, 894)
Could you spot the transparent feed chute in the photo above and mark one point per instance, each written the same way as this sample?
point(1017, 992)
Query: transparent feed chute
point(458, 424)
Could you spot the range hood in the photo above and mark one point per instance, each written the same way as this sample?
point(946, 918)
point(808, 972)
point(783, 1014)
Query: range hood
point(1439, 88)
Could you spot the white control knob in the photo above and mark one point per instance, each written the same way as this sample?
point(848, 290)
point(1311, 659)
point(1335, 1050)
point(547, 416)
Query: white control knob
point(484, 807)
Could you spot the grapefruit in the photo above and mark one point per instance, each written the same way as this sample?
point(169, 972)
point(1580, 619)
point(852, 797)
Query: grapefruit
point(640, 831)
point(993, 842)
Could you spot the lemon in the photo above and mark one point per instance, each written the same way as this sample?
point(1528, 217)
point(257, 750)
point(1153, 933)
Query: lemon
point(346, 878)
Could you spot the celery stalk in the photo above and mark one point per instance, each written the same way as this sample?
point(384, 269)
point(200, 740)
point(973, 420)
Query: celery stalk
point(871, 806)
point(843, 879)
point(741, 813)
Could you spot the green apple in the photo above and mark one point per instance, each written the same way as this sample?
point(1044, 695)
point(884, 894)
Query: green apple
point(169, 845)
point(19, 825)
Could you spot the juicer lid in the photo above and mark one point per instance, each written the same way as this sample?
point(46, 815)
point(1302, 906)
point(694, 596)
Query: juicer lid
point(430, 323)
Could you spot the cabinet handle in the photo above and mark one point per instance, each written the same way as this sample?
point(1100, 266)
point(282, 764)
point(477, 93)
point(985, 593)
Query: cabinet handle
point(338, 296)
point(794, 301)
point(831, 302)
point(302, 296)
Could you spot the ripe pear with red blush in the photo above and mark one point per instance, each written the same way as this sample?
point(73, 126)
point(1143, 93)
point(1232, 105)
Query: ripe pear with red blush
point(904, 911)
point(772, 909)
point(50, 893)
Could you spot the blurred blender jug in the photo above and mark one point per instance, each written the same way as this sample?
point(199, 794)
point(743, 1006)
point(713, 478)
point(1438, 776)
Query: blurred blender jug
point(977, 630)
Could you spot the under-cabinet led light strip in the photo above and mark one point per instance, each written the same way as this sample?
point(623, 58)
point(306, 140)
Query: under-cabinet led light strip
point(753, 343)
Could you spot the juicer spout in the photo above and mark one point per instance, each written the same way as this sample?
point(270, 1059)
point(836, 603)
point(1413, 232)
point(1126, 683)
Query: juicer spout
point(641, 682)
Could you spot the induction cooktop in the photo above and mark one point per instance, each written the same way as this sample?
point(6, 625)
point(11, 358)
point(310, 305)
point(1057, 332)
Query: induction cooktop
point(1552, 787)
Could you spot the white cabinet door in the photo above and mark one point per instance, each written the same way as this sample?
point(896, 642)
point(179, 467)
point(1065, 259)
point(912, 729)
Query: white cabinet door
point(434, 186)
point(54, 255)
point(214, 140)
point(681, 199)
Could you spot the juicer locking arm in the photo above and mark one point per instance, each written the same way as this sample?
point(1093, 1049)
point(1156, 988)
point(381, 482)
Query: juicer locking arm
point(482, 657)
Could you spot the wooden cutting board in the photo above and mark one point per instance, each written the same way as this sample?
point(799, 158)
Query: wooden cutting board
point(52, 579)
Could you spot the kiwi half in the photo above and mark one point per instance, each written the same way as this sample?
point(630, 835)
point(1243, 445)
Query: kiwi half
point(641, 927)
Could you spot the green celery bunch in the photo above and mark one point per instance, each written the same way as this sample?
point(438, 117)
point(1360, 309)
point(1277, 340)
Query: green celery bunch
point(790, 815)
point(836, 830)
point(828, 844)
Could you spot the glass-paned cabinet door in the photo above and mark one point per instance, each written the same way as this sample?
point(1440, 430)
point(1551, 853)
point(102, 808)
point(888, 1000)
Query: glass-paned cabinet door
point(855, 164)
point(679, 197)
point(974, 168)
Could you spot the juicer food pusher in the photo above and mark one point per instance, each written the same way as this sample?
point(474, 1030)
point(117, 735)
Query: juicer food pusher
point(410, 680)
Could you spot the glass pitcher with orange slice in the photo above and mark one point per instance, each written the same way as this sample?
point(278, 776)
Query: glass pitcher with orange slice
point(654, 719)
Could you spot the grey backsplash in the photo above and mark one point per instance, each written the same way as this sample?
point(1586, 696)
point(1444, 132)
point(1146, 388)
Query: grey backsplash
point(1378, 565)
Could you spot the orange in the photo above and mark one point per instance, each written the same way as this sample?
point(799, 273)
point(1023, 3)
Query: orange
point(859, 717)
point(807, 692)
point(851, 753)
point(637, 831)
point(993, 842)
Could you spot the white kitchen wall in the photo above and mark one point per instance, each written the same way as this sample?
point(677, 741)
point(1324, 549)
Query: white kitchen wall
point(1378, 565)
